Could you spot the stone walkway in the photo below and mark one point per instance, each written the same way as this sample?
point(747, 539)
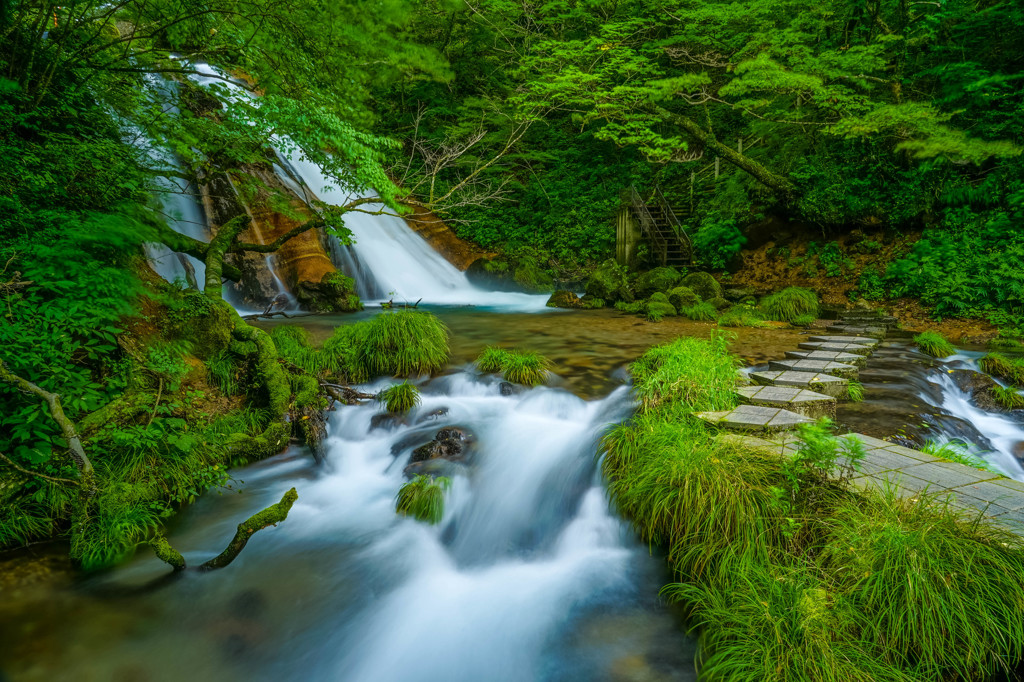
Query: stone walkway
point(790, 396)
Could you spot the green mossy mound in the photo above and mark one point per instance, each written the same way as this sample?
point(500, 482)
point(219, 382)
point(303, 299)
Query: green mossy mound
point(719, 303)
point(742, 316)
point(564, 299)
point(656, 280)
point(658, 307)
point(683, 297)
point(703, 284)
point(609, 282)
point(335, 292)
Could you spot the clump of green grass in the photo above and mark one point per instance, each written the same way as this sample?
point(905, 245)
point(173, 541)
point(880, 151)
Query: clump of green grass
point(520, 367)
point(294, 346)
point(790, 303)
point(934, 344)
point(223, 372)
point(998, 365)
point(940, 592)
point(697, 373)
point(422, 498)
point(395, 343)
point(702, 312)
point(804, 320)
point(1008, 398)
point(400, 398)
point(742, 316)
point(953, 451)
point(855, 390)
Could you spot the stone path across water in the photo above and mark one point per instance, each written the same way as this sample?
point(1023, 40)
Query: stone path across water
point(788, 397)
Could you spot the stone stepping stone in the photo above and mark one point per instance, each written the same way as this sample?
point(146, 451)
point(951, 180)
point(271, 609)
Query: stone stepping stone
point(830, 355)
point(869, 321)
point(827, 384)
point(800, 400)
point(850, 348)
point(838, 369)
point(756, 419)
point(850, 338)
point(871, 332)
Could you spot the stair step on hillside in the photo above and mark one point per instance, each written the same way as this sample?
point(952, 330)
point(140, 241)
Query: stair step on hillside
point(850, 348)
point(826, 384)
point(849, 338)
point(830, 355)
point(870, 332)
point(756, 419)
point(800, 400)
point(838, 369)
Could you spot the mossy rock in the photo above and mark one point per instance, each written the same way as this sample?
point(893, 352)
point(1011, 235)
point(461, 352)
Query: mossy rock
point(658, 297)
point(564, 299)
point(657, 309)
point(720, 303)
point(658, 279)
point(204, 323)
point(609, 282)
point(704, 285)
point(683, 297)
point(588, 302)
point(333, 293)
point(738, 294)
point(532, 278)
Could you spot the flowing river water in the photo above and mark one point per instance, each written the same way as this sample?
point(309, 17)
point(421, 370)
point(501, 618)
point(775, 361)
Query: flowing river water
point(529, 576)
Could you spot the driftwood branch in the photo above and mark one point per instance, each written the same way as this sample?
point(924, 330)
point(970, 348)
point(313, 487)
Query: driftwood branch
point(67, 427)
point(36, 473)
point(346, 394)
point(271, 516)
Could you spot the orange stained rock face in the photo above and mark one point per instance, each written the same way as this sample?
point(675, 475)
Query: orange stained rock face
point(455, 250)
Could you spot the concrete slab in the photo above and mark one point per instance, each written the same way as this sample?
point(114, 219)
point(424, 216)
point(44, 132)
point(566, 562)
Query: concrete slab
point(837, 369)
point(819, 383)
point(941, 475)
point(1007, 498)
point(830, 355)
point(755, 418)
point(850, 348)
point(800, 400)
point(846, 338)
point(870, 332)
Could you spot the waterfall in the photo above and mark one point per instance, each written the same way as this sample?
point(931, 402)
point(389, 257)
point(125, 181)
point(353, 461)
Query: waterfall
point(391, 261)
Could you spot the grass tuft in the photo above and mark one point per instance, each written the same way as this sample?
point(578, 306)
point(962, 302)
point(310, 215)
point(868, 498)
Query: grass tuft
point(698, 373)
point(954, 451)
point(520, 367)
point(804, 320)
point(422, 498)
point(790, 304)
point(1008, 398)
point(998, 365)
point(395, 343)
point(702, 312)
point(400, 398)
point(742, 316)
point(934, 344)
point(855, 390)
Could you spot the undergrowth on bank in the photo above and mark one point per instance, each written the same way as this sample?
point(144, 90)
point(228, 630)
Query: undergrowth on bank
point(790, 573)
point(790, 304)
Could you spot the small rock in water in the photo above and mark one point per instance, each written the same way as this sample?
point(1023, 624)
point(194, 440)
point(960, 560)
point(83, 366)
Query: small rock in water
point(386, 421)
point(433, 415)
point(451, 443)
point(979, 386)
point(507, 388)
point(564, 299)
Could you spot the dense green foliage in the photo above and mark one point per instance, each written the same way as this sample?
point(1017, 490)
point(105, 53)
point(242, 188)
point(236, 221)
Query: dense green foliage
point(788, 572)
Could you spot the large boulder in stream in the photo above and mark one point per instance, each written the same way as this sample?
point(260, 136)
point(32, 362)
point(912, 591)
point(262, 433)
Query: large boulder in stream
point(609, 283)
point(564, 299)
point(333, 293)
point(704, 285)
point(658, 280)
point(979, 386)
point(451, 443)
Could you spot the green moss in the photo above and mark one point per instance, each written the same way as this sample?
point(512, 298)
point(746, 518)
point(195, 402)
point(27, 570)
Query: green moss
point(683, 297)
point(790, 303)
point(609, 282)
point(335, 292)
point(632, 308)
point(719, 303)
point(742, 316)
point(564, 299)
point(703, 284)
point(934, 344)
point(658, 307)
point(532, 278)
point(591, 303)
point(656, 280)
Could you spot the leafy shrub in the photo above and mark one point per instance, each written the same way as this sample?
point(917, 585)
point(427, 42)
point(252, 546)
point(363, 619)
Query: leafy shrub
point(934, 344)
point(400, 398)
point(716, 243)
point(422, 498)
point(520, 367)
point(870, 285)
point(790, 303)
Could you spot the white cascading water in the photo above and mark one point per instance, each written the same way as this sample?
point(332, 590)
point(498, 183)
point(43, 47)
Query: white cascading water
point(1003, 432)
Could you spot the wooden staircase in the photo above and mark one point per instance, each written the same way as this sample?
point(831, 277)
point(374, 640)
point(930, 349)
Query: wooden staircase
point(668, 239)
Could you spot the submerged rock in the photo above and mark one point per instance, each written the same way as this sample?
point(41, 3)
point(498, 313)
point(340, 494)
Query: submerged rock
point(564, 299)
